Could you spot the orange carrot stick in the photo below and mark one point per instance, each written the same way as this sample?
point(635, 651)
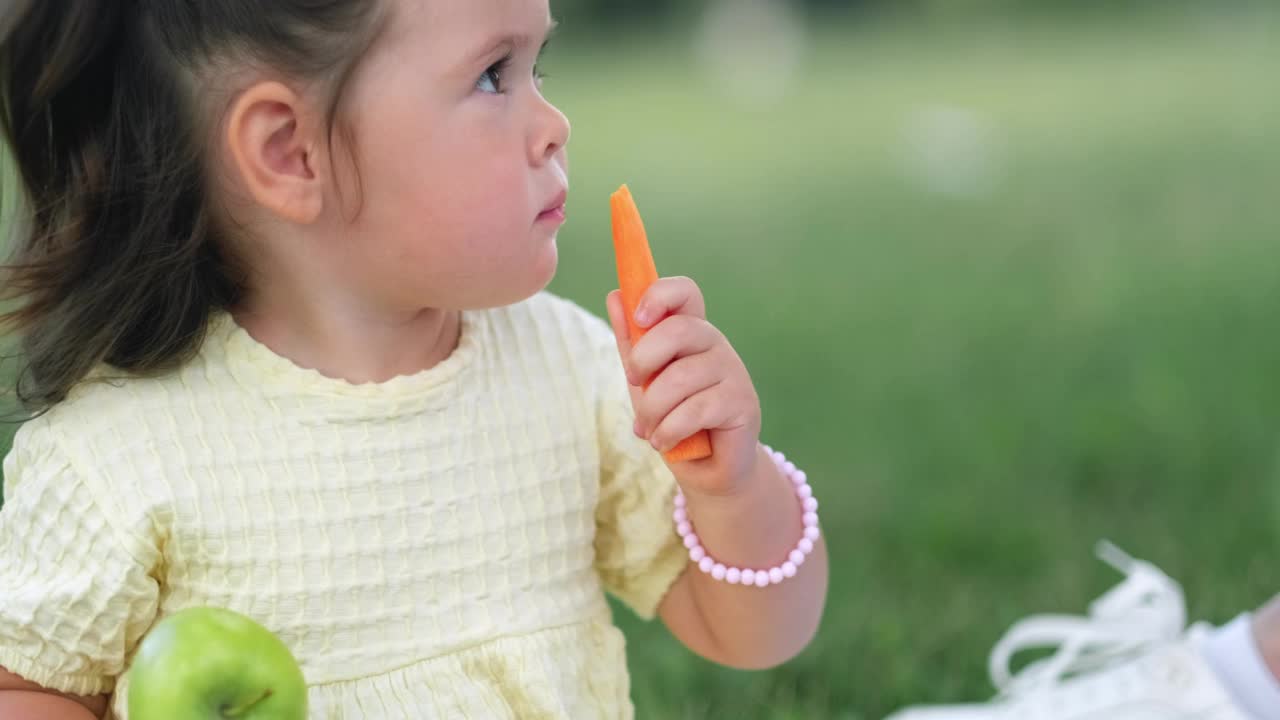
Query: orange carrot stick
point(636, 272)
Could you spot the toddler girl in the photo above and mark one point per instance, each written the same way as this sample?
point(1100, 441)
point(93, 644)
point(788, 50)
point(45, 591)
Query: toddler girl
point(287, 351)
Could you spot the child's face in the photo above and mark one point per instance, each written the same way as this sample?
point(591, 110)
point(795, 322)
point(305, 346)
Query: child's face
point(456, 162)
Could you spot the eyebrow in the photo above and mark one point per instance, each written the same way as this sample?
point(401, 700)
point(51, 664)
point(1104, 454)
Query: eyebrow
point(512, 40)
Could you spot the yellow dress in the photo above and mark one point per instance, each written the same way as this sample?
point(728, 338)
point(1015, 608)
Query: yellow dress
point(435, 546)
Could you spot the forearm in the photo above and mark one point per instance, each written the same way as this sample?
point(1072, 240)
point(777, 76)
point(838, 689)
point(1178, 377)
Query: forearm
point(754, 627)
point(33, 705)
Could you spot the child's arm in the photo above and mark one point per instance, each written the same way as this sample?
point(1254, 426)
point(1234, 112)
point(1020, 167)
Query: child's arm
point(22, 700)
point(749, 628)
point(685, 377)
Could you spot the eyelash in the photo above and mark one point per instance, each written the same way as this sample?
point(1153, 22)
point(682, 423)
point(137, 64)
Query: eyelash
point(497, 70)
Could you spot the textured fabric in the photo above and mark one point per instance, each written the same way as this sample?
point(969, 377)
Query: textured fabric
point(437, 545)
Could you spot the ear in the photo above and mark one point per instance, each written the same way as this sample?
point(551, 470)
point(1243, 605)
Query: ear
point(274, 149)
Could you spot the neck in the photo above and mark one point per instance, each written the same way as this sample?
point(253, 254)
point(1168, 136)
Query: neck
point(356, 345)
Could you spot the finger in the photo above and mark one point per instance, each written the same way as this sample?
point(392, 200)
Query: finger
point(618, 319)
point(679, 381)
point(670, 296)
point(703, 411)
point(673, 338)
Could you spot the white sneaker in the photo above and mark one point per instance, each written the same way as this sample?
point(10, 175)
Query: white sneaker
point(1129, 659)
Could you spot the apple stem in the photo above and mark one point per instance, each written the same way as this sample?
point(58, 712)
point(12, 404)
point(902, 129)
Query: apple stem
point(241, 710)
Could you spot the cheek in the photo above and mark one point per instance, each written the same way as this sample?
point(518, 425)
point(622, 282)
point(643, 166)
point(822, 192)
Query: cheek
point(476, 197)
point(448, 204)
point(481, 169)
point(465, 216)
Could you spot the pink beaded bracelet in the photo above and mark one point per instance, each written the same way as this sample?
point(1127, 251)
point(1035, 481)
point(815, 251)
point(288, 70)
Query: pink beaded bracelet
point(759, 578)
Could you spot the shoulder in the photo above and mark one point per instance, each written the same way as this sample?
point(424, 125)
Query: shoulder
point(100, 410)
point(52, 473)
point(113, 417)
point(56, 468)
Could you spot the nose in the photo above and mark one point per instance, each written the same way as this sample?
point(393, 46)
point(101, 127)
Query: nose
point(550, 132)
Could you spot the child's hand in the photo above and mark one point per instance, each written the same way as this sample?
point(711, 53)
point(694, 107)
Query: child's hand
point(696, 381)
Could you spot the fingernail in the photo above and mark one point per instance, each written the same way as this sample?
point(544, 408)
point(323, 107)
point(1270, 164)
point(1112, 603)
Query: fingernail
point(636, 429)
point(642, 315)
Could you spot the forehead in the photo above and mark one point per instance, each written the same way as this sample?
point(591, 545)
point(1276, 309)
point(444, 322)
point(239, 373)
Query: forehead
point(451, 27)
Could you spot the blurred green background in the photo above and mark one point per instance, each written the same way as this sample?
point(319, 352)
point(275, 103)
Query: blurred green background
point(1006, 275)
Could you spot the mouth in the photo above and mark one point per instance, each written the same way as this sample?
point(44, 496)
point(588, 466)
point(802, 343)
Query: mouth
point(554, 211)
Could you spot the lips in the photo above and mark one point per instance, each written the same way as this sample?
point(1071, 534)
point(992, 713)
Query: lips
point(554, 210)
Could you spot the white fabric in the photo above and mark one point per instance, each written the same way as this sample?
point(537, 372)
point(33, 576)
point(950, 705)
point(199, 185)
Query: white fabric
point(1233, 653)
point(1130, 658)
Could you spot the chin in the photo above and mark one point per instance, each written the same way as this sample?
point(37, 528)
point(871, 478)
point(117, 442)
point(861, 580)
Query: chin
point(527, 280)
point(543, 268)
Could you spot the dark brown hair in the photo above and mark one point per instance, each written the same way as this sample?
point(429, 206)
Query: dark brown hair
point(118, 255)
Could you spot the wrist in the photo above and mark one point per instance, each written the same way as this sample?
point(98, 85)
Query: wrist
point(755, 487)
point(769, 529)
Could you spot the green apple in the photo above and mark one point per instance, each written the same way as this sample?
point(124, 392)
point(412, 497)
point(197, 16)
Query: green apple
point(204, 663)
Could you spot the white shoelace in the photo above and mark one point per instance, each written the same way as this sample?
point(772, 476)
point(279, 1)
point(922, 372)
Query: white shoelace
point(1147, 608)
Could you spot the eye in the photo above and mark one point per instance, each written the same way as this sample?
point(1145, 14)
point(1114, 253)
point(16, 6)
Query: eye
point(490, 80)
point(538, 74)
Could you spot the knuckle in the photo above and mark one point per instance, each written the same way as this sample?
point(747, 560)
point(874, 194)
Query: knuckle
point(681, 378)
point(662, 287)
point(691, 287)
point(644, 416)
point(672, 379)
point(665, 435)
point(659, 438)
point(637, 358)
point(703, 407)
point(684, 328)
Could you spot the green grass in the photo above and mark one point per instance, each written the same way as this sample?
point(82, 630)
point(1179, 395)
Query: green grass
point(980, 385)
